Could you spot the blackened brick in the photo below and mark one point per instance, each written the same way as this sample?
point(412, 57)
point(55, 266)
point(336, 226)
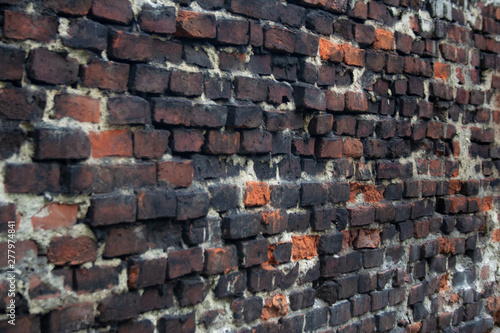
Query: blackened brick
point(313, 194)
point(316, 318)
point(191, 291)
point(301, 299)
point(340, 313)
point(177, 323)
point(241, 225)
point(191, 205)
point(231, 284)
point(184, 262)
point(224, 197)
point(247, 309)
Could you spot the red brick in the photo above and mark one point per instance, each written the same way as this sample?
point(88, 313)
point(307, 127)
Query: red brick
point(195, 25)
point(51, 67)
point(353, 56)
point(176, 173)
point(130, 46)
point(328, 148)
point(61, 143)
point(356, 102)
point(220, 260)
point(33, 178)
point(330, 51)
point(55, 215)
point(112, 209)
point(18, 25)
point(256, 194)
point(115, 11)
point(81, 108)
point(352, 148)
point(146, 272)
point(187, 140)
point(403, 43)
point(279, 39)
point(255, 141)
point(69, 7)
point(160, 20)
point(149, 79)
point(150, 143)
point(184, 262)
point(222, 143)
point(186, 83)
point(233, 32)
point(12, 60)
point(125, 241)
point(106, 75)
point(111, 143)
point(67, 250)
point(70, 318)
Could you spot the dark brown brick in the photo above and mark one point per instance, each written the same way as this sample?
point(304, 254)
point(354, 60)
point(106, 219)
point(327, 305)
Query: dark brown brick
point(18, 25)
point(52, 68)
point(119, 11)
point(184, 262)
point(160, 20)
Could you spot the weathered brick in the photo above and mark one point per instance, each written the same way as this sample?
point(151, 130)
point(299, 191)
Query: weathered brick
point(177, 323)
point(238, 226)
point(112, 209)
point(195, 25)
point(66, 250)
point(106, 75)
point(252, 252)
point(191, 291)
point(70, 318)
point(125, 241)
point(113, 11)
point(186, 83)
point(34, 178)
point(119, 307)
point(279, 39)
point(18, 25)
point(233, 32)
point(160, 20)
point(52, 68)
point(309, 97)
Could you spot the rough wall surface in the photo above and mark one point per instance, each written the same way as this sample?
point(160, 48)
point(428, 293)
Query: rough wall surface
point(250, 166)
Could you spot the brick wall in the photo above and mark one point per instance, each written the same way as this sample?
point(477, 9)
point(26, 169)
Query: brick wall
point(250, 166)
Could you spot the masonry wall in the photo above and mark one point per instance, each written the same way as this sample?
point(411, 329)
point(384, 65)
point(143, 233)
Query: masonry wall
point(250, 166)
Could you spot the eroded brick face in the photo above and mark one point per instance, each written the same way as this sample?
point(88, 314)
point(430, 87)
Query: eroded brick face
point(251, 166)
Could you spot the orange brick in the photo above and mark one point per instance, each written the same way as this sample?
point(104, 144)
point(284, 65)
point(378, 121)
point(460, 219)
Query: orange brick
point(441, 71)
point(111, 143)
point(370, 192)
point(330, 51)
point(304, 247)
point(275, 306)
point(55, 215)
point(487, 204)
point(495, 236)
point(256, 194)
point(384, 40)
point(353, 55)
point(367, 239)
